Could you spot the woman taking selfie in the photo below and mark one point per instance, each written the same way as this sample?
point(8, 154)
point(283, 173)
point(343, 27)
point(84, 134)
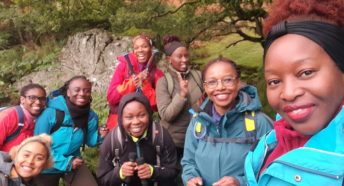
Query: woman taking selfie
point(25, 161)
point(303, 66)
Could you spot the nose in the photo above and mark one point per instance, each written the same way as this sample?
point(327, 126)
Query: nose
point(291, 90)
point(30, 159)
point(219, 85)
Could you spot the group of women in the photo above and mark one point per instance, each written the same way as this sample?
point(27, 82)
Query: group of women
point(225, 140)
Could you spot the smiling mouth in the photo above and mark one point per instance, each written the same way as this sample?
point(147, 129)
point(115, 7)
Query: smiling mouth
point(300, 114)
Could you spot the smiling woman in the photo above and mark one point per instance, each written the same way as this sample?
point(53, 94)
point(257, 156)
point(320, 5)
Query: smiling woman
point(136, 71)
point(303, 65)
point(17, 123)
point(77, 127)
point(25, 161)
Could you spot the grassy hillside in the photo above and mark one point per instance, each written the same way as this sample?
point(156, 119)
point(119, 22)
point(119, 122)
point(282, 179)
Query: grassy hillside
point(245, 53)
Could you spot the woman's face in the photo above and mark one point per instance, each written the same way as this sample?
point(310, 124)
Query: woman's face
point(30, 160)
point(142, 49)
point(224, 93)
point(135, 118)
point(303, 83)
point(79, 92)
point(179, 59)
point(34, 101)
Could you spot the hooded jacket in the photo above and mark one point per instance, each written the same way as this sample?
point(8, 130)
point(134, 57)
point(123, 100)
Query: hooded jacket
point(318, 162)
point(108, 172)
point(67, 140)
point(173, 109)
point(6, 165)
point(212, 161)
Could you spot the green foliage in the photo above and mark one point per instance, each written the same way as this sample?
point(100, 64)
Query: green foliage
point(99, 105)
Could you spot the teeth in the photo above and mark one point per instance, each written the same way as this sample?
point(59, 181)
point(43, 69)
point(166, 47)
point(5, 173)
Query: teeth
point(297, 111)
point(221, 96)
point(27, 168)
point(136, 129)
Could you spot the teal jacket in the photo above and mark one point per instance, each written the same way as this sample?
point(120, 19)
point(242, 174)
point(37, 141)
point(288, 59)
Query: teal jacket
point(319, 162)
point(212, 161)
point(66, 140)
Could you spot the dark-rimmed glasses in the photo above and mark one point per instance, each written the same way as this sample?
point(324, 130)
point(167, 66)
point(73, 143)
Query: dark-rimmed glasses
point(33, 98)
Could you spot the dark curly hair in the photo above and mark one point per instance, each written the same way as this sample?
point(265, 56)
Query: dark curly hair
point(331, 11)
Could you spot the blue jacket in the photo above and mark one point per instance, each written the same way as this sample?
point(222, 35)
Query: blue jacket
point(319, 162)
point(212, 161)
point(66, 140)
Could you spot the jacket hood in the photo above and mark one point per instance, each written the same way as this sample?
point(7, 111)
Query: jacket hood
point(248, 99)
point(134, 97)
point(58, 103)
point(6, 163)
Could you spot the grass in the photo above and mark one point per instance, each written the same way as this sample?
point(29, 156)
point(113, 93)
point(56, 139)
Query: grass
point(245, 53)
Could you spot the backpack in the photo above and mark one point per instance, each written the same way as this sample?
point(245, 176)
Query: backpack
point(200, 130)
point(117, 142)
point(170, 84)
point(20, 114)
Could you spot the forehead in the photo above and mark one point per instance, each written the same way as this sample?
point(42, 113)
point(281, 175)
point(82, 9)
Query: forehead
point(292, 49)
point(141, 41)
point(133, 106)
point(34, 147)
point(80, 83)
point(219, 69)
point(180, 50)
point(35, 91)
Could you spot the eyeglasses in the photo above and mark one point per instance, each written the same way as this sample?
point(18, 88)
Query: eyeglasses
point(227, 82)
point(35, 98)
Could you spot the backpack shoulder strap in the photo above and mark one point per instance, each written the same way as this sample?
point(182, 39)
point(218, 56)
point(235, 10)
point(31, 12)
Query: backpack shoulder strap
point(116, 144)
point(250, 126)
point(158, 141)
point(20, 113)
point(169, 81)
point(130, 66)
point(196, 75)
point(59, 120)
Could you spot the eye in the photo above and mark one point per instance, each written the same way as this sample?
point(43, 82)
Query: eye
point(273, 82)
point(307, 73)
point(128, 117)
point(39, 158)
point(212, 82)
point(227, 80)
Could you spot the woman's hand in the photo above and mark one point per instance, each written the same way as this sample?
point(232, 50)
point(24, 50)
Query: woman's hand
point(139, 78)
point(183, 84)
point(103, 131)
point(128, 168)
point(77, 162)
point(196, 181)
point(144, 171)
point(227, 181)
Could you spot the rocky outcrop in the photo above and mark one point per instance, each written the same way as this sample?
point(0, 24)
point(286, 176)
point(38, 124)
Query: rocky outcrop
point(92, 53)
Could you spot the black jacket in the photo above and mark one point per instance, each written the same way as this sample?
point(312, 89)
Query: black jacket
point(108, 173)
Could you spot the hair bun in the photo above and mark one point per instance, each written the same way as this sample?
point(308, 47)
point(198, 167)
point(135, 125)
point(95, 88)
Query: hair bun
point(170, 38)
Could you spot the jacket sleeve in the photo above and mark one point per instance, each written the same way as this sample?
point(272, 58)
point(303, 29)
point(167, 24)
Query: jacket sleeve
point(169, 107)
point(93, 137)
point(188, 161)
point(107, 173)
point(44, 124)
point(8, 123)
point(119, 86)
point(169, 164)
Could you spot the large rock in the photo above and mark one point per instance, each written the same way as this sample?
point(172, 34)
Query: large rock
point(92, 53)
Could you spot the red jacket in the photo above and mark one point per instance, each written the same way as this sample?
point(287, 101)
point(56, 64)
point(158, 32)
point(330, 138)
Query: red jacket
point(9, 123)
point(122, 83)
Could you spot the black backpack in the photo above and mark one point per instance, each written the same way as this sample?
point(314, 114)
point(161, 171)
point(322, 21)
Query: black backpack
point(117, 142)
